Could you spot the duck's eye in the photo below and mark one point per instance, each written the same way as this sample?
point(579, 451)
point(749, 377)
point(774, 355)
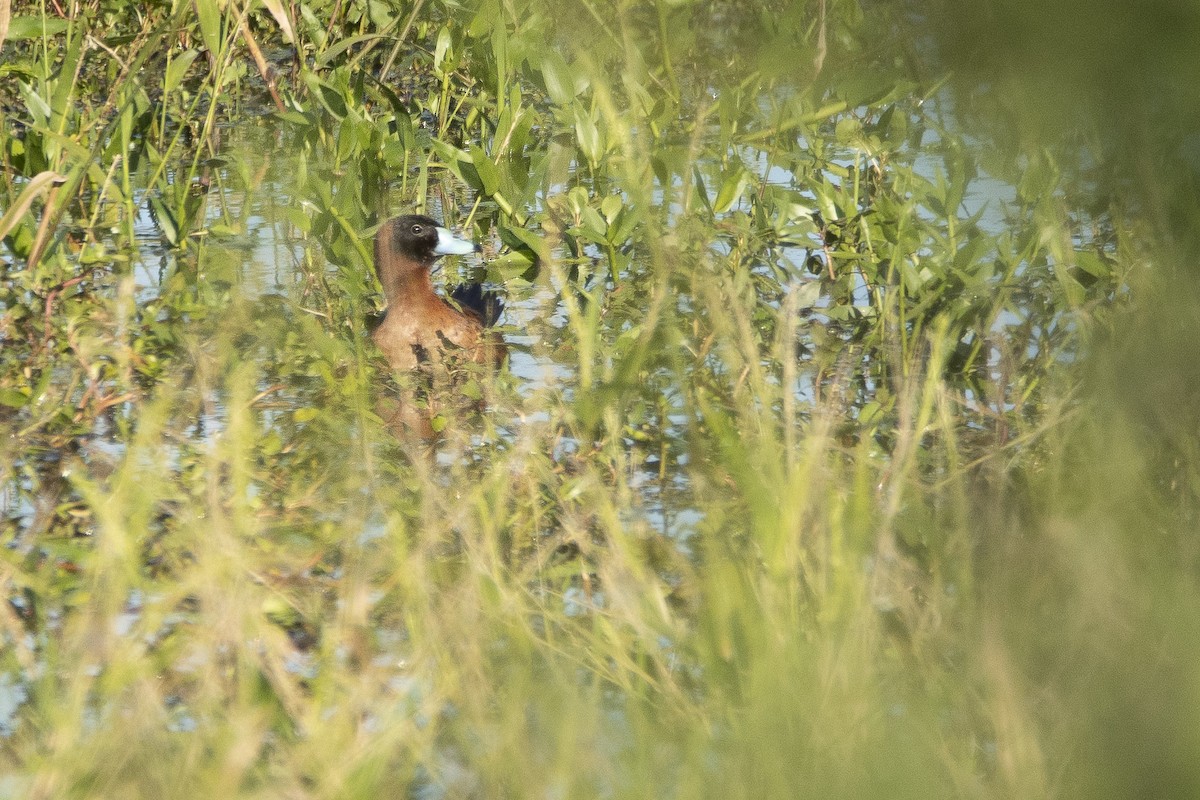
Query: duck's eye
point(417, 230)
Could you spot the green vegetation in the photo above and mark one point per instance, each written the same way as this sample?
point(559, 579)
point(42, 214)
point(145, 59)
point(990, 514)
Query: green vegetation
point(848, 447)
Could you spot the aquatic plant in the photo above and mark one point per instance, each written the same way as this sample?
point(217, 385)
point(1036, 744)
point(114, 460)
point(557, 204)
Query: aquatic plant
point(838, 453)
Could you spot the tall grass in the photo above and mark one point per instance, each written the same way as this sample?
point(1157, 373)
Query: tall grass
point(805, 481)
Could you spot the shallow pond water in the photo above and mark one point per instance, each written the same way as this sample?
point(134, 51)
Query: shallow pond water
point(258, 187)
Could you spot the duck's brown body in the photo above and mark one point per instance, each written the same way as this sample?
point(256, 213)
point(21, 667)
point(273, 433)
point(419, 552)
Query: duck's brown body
point(423, 334)
point(420, 327)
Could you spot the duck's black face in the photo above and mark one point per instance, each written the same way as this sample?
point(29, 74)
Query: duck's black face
point(420, 239)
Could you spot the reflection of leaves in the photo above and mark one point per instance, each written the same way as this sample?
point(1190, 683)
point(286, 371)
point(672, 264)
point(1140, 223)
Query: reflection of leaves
point(165, 218)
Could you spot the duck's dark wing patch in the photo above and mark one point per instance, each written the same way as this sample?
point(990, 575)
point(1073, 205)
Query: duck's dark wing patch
point(483, 303)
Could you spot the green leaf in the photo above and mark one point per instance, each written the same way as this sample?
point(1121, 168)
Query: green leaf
point(341, 46)
point(610, 206)
point(22, 28)
point(1091, 263)
point(731, 188)
point(560, 84)
point(178, 68)
point(13, 398)
point(489, 176)
point(441, 48)
point(588, 136)
point(699, 187)
point(282, 19)
point(222, 231)
point(453, 158)
point(39, 109)
point(510, 265)
point(21, 243)
point(37, 183)
point(847, 129)
point(521, 239)
point(298, 218)
point(592, 223)
point(577, 199)
point(329, 97)
point(208, 14)
point(620, 230)
point(500, 53)
point(98, 254)
point(1072, 289)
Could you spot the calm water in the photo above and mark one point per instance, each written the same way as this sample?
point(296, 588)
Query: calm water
point(254, 188)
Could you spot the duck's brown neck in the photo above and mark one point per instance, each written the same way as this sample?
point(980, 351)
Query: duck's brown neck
point(404, 283)
point(407, 288)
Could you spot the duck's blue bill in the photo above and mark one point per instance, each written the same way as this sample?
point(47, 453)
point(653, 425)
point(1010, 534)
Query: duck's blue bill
point(450, 245)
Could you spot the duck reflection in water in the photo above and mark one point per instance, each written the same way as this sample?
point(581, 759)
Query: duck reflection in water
point(422, 333)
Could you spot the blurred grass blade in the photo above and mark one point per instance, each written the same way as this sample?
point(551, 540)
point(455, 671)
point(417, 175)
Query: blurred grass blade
point(282, 19)
point(36, 185)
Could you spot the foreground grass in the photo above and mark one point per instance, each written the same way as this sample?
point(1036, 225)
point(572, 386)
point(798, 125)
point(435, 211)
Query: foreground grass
point(869, 529)
point(510, 624)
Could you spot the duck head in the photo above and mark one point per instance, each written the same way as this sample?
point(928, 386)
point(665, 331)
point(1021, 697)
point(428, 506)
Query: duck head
point(407, 246)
